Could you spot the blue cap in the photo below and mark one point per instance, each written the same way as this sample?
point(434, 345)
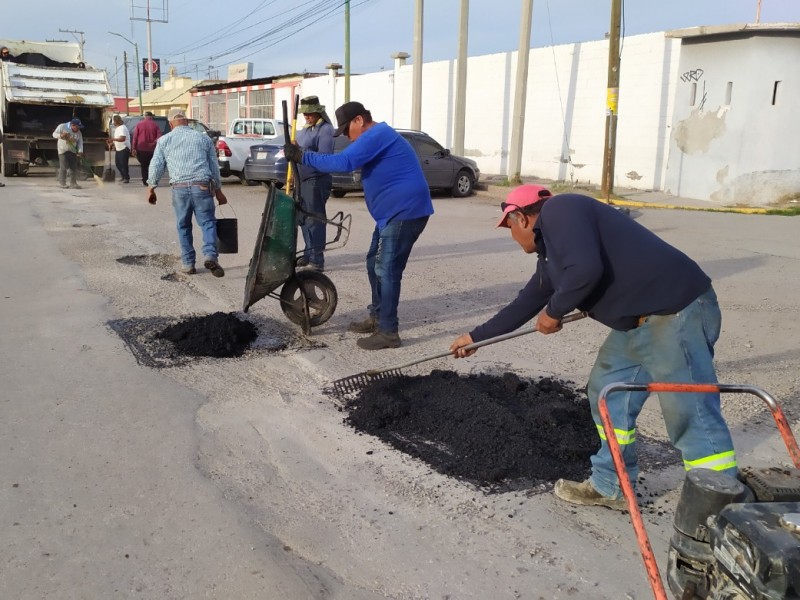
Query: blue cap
point(76, 122)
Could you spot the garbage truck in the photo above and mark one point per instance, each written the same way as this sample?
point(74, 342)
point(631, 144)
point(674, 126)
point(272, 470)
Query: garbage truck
point(43, 84)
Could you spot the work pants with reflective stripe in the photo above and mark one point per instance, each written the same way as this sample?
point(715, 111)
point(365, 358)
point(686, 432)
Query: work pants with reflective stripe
point(675, 348)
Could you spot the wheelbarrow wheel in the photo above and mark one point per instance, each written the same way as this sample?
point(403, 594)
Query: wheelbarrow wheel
point(321, 295)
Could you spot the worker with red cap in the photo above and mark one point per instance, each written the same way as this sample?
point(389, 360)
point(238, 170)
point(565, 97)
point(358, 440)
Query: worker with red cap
point(664, 320)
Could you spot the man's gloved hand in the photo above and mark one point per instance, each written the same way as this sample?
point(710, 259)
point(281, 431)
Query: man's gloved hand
point(293, 152)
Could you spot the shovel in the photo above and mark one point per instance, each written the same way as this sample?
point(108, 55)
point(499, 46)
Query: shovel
point(341, 388)
point(109, 174)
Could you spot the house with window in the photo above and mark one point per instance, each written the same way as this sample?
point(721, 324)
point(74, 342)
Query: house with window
point(734, 129)
point(173, 93)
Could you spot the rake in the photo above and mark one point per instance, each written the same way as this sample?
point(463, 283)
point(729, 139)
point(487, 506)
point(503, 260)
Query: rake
point(342, 388)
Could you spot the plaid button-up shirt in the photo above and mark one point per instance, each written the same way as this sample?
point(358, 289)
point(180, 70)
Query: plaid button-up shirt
point(189, 155)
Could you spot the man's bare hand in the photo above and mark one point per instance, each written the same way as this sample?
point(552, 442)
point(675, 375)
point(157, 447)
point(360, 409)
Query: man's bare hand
point(220, 197)
point(547, 324)
point(457, 347)
point(151, 195)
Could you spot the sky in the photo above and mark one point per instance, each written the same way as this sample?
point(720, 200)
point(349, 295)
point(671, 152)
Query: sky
point(202, 37)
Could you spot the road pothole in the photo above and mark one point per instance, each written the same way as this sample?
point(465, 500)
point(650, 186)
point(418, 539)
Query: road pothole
point(161, 261)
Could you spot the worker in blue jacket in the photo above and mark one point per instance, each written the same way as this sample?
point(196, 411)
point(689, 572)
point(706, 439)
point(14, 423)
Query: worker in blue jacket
point(397, 197)
point(664, 320)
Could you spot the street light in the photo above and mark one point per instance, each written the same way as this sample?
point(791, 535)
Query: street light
point(136, 70)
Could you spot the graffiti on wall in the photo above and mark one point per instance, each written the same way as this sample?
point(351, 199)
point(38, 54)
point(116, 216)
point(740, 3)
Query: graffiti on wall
point(693, 75)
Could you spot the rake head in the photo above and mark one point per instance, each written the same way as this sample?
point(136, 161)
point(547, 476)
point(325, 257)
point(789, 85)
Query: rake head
point(349, 386)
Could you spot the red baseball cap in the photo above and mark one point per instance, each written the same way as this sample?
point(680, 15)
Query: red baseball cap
point(524, 195)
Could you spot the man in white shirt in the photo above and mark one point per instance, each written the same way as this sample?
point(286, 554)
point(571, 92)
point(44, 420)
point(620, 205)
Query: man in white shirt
point(122, 145)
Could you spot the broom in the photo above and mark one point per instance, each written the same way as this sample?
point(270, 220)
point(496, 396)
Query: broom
point(342, 388)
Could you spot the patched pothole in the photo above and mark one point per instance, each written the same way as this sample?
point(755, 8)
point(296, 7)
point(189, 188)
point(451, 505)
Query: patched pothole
point(498, 433)
point(202, 338)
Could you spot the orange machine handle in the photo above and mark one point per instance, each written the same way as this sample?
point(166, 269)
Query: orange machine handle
point(645, 548)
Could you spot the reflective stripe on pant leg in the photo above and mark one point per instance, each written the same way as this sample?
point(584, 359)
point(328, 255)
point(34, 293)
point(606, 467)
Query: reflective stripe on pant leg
point(715, 462)
point(615, 363)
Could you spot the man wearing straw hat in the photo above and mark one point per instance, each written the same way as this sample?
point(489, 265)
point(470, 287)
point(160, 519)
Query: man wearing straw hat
point(315, 186)
point(194, 176)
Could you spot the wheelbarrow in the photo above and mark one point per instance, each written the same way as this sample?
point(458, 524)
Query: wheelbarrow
point(308, 298)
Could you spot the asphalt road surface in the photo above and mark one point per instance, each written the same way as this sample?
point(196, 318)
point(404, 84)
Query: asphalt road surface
point(237, 478)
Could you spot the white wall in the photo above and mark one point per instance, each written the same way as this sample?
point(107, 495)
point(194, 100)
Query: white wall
point(747, 151)
point(752, 155)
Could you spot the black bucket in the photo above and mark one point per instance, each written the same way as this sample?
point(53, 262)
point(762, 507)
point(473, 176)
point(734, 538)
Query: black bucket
point(227, 236)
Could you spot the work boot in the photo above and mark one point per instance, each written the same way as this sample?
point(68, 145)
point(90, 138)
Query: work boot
point(379, 340)
point(368, 325)
point(583, 493)
point(188, 269)
point(212, 265)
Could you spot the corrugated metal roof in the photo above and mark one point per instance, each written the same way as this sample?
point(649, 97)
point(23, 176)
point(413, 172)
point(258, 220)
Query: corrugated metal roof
point(27, 84)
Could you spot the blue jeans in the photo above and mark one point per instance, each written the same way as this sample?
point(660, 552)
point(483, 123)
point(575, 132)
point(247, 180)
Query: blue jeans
point(675, 348)
point(386, 260)
point(314, 193)
point(198, 201)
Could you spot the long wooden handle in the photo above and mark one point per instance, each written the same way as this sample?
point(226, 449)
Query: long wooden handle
point(499, 338)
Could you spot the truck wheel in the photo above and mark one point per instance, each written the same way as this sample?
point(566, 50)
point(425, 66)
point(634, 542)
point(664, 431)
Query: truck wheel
point(320, 293)
point(338, 193)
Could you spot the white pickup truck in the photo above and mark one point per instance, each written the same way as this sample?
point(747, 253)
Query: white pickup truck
point(234, 148)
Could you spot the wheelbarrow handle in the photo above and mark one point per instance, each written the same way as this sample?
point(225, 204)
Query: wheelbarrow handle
point(493, 340)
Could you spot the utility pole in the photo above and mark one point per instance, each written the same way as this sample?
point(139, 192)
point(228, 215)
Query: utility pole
point(612, 101)
point(125, 62)
point(346, 51)
point(520, 93)
point(144, 13)
point(461, 82)
point(416, 92)
point(81, 41)
point(138, 78)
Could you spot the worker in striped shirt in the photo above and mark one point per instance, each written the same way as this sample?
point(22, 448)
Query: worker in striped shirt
point(194, 176)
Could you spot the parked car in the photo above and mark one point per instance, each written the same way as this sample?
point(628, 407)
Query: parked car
point(267, 163)
point(234, 148)
point(163, 123)
point(443, 170)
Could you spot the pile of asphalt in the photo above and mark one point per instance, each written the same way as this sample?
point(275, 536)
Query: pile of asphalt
point(498, 433)
point(218, 335)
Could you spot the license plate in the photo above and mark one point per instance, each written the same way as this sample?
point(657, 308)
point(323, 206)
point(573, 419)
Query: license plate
point(261, 155)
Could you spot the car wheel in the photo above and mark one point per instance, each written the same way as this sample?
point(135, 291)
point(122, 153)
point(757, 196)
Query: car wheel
point(463, 184)
point(338, 193)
